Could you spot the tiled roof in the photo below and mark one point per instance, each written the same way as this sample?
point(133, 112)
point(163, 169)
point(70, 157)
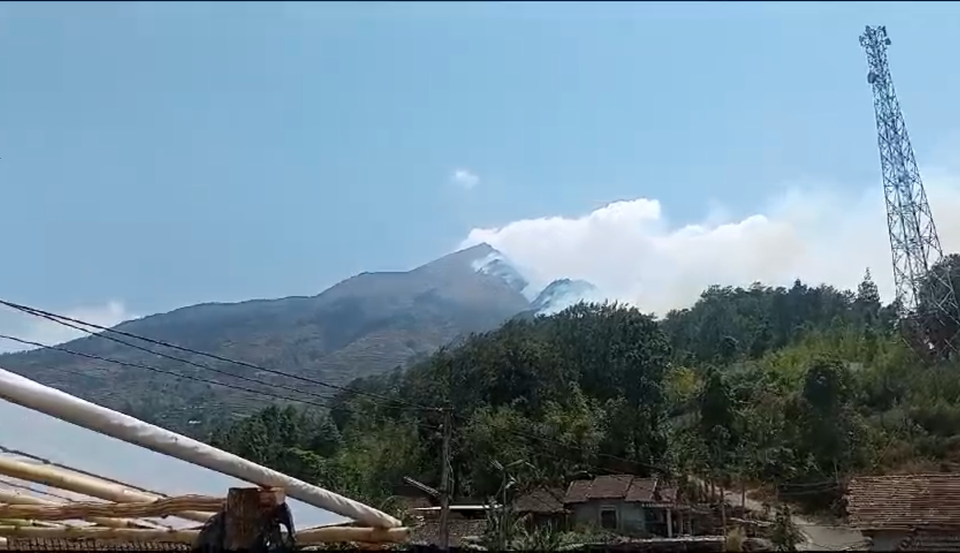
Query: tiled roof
point(905, 501)
point(625, 487)
point(544, 501)
point(577, 491)
point(642, 490)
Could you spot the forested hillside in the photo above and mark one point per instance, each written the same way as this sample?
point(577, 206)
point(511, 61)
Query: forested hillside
point(799, 387)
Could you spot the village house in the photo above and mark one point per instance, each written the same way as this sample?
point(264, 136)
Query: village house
point(544, 508)
point(623, 503)
point(906, 512)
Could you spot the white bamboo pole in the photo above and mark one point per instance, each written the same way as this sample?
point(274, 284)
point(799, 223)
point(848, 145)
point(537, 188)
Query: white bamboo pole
point(25, 392)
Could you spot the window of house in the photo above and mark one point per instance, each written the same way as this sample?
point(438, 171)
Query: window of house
point(608, 518)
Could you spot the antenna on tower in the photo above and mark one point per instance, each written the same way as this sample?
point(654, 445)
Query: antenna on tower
point(926, 300)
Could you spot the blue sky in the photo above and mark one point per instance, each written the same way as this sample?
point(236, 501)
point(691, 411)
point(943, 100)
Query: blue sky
point(157, 155)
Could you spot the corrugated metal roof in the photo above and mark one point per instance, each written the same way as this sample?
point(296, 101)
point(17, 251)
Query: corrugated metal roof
point(905, 501)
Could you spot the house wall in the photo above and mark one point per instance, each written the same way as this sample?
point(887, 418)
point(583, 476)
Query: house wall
point(630, 516)
point(556, 521)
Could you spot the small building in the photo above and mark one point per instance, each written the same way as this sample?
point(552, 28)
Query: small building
point(906, 512)
point(627, 505)
point(544, 508)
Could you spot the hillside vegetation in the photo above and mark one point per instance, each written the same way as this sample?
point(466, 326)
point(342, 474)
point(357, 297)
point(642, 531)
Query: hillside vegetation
point(799, 387)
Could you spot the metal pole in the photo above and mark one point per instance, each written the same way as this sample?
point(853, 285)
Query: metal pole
point(445, 484)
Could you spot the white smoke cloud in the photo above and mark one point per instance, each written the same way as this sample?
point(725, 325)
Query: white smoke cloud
point(35, 329)
point(632, 253)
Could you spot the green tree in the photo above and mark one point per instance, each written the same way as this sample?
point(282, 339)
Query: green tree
point(785, 534)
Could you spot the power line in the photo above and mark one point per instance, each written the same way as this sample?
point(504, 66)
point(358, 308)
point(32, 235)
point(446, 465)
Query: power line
point(160, 371)
point(74, 323)
point(183, 376)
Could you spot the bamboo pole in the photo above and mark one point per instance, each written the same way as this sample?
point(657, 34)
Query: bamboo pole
point(45, 461)
point(57, 478)
point(130, 535)
point(17, 498)
point(88, 509)
point(26, 522)
point(71, 409)
point(51, 495)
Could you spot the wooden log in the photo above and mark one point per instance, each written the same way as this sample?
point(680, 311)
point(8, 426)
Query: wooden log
point(59, 478)
point(246, 515)
point(137, 535)
point(241, 519)
point(85, 510)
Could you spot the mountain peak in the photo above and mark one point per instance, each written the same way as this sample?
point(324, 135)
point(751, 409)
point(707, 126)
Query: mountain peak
point(563, 293)
point(480, 249)
point(482, 259)
point(459, 258)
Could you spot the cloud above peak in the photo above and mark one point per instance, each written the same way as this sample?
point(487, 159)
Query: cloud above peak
point(632, 253)
point(465, 178)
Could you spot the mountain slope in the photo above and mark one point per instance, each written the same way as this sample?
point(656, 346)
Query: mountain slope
point(364, 325)
point(563, 293)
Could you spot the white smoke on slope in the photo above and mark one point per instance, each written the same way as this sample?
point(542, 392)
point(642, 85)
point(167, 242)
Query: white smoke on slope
point(631, 253)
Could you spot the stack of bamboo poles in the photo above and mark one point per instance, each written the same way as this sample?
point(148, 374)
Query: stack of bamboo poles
point(120, 514)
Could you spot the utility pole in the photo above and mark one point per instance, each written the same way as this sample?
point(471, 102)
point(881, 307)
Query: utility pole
point(723, 511)
point(445, 483)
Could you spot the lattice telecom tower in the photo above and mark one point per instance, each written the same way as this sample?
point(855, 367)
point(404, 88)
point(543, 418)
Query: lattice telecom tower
point(927, 301)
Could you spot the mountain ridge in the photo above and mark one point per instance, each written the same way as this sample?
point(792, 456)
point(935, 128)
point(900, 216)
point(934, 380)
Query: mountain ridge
point(364, 325)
